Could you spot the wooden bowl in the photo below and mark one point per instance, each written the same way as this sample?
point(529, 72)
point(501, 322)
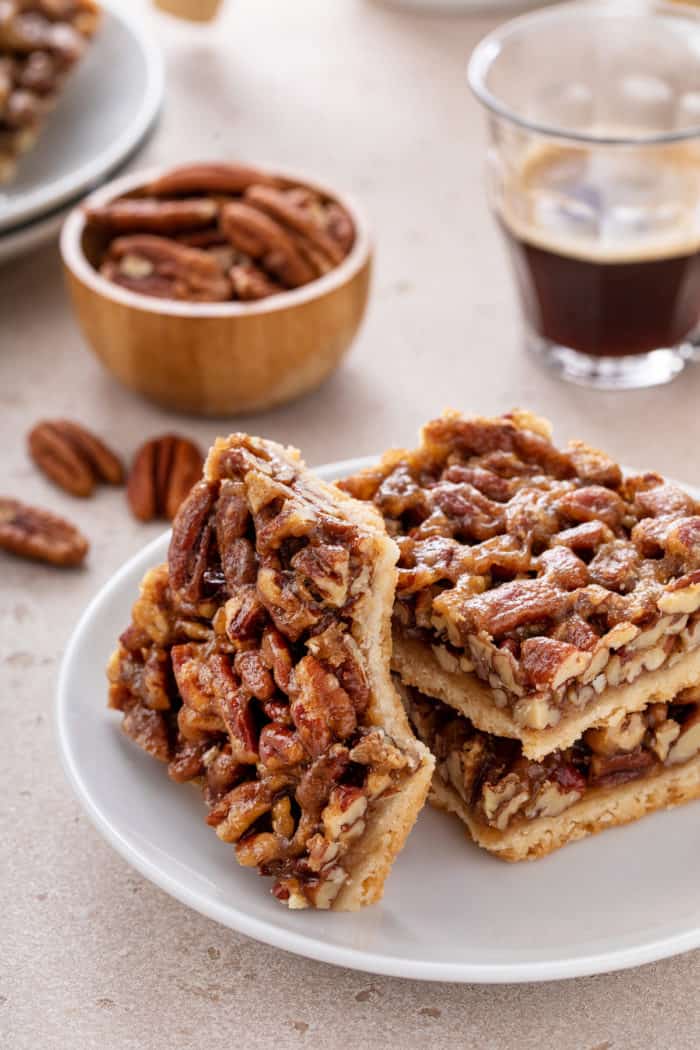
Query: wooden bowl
point(214, 359)
point(195, 10)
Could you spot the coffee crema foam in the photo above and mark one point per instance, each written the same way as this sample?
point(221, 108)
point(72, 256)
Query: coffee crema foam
point(606, 204)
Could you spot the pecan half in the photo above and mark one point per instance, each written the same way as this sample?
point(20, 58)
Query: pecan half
point(209, 178)
point(144, 215)
point(260, 236)
point(189, 545)
point(280, 206)
point(73, 457)
point(32, 532)
point(162, 474)
point(179, 271)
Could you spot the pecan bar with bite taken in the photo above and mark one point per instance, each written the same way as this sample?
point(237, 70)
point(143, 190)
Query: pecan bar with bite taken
point(540, 592)
point(257, 666)
point(519, 809)
point(41, 41)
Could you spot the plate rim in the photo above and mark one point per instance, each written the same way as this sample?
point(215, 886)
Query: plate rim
point(300, 943)
point(74, 184)
point(27, 237)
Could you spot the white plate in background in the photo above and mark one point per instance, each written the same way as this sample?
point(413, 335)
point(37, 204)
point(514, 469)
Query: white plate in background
point(451, 912)
point(30, 235)
point(108, 105)
point(464, 7)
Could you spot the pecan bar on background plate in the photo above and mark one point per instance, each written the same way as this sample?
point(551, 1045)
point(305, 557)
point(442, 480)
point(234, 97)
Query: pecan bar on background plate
point(550, 608)
point(41, 41)
point(257, 666)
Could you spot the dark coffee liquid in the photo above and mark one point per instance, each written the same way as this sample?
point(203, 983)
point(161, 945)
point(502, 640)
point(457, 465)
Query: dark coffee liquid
point(607, 309)
point(606, 246)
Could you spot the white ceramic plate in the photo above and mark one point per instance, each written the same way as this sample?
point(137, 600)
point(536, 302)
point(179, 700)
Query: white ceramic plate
point(463, 7)
point(25, 238)
point(450, 911)
point(107, 107)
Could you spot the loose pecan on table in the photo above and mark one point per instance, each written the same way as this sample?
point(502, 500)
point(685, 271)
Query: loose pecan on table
point(162, 474)
point(32, 532)
point(73, 457)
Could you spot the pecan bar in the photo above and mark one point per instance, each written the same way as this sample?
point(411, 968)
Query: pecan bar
point(257, 665)
point(539, 590)
point(41, 41)
point(518, 809)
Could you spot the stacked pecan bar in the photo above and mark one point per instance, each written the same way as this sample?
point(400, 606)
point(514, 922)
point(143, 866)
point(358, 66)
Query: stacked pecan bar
point(257, 666)
point(40, 42)
point(546, 629)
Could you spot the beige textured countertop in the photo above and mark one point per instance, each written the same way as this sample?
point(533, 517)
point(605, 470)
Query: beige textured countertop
point(374, 101)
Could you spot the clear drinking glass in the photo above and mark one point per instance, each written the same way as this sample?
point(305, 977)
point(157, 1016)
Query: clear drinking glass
point(594, 178)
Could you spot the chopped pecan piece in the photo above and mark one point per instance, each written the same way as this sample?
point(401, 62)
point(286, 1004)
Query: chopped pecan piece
point(320, 708)
point(513, 605)
point(593, 466)
point(275, 652)
point(245, 614)
point(474, 515)
point(550, 663)
point(585, 537)
point(148, 729)
point(564, 568)
point(615, 737)
point(616, 769)
point(239, 809)
point(664, 499)
point(280, 747)
point(615, 566)
point(593, 503)
point(576, 631)
point(399, 492)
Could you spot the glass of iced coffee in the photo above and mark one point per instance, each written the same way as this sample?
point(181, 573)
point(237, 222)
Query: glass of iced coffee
point(594, 178)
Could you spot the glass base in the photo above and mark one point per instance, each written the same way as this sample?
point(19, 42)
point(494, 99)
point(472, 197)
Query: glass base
point(608, 373)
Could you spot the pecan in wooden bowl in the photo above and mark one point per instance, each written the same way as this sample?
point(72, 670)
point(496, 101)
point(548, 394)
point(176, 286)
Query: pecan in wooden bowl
point(217, 288)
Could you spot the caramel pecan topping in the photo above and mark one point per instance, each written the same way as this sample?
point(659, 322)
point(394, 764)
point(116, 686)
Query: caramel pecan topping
point(507, 541)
